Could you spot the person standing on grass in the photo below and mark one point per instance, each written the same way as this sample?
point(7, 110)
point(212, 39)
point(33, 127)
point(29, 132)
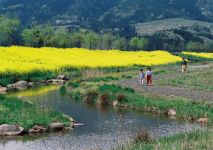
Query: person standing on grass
point(141, 76)
point(184, 65)
point(149, 77)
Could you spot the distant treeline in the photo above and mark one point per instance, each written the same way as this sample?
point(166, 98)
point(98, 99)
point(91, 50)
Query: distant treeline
point(11, 33)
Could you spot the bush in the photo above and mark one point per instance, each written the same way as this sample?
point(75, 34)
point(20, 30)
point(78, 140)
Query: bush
point(121, 98)
point(74, 84)
point(143, 136)
point(90, 96)
point(104, 99)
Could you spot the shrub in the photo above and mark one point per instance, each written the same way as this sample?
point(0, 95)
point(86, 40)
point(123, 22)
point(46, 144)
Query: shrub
point(104, 99)
point(121, 98)
point(90, 96)
point(143, 136)
point(74, 84)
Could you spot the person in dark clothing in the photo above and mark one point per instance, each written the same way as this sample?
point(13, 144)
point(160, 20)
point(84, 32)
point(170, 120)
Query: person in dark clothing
point(184, 65)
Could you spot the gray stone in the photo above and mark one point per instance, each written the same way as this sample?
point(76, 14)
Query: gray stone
point(56, 126)
point(62, 77)
point(30, 83)
point(171, 112)
point(10, 130)
point(21, 85)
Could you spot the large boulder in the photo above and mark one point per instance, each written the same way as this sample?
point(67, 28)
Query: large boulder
point(56, 126)
point(21, 85)
point(10, 130)
point(3, 89)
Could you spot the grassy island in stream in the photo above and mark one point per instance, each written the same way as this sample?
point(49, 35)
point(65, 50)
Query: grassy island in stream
point(14, 111)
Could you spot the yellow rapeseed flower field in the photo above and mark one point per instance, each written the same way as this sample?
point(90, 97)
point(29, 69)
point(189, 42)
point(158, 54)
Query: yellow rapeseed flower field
point(26, 59)
point(203, 55)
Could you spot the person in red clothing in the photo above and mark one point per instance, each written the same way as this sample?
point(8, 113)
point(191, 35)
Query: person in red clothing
point(149, 77)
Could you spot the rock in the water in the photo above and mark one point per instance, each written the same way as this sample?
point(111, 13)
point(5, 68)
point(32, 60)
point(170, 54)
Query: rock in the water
point(3, 89)
point(115, 103)
point(78, 124)
point(11, 86)
point(171, 112)
point(203, 120)
point(56, 126)
point(30, 83)
point(37, 129)
point(10, 130)
point(56, 81)
point(21, 85)
point(62, 77)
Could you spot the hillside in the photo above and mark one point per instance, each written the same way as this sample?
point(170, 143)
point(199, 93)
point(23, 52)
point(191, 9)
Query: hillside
point(105, 14)
point(172, 34)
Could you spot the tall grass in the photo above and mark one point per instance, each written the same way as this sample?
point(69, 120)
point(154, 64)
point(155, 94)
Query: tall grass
point(16, 112)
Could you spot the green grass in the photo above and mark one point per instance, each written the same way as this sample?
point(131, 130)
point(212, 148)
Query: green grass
point(16, 112)
point(185, 109)
point(197, 140)
point(201, 79)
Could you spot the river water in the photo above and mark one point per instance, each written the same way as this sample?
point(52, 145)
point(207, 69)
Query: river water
point(105, 127)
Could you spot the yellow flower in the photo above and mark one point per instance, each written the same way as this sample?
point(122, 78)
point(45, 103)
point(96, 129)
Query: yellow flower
point(26, 59)
point(204, 55)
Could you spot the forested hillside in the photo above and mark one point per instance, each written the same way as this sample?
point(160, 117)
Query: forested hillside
point(99, 14)
point(107, 24)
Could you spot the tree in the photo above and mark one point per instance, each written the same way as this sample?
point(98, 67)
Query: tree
point(92, 39)
point(119, 43)
point(33, 37)
point(78, 39)
point(62, 38)
point(195, 46)
point(143, 43)
point(209, 47)
point(8, 30)
point(134, 42)
point(108, 40)
point(38, 36)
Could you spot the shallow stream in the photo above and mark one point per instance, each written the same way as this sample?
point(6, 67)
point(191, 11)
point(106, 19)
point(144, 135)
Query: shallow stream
point(105, 127)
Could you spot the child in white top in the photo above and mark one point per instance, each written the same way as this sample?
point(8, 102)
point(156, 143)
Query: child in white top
point(141, 77)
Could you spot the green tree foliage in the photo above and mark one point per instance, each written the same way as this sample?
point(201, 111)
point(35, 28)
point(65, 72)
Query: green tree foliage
point(195, 46)
point(108, 39)
point(119, 43)
point(62, 38)
point(8, 30)
point(78, 39)
point(91, 40)
point(33, 37)
point(139, 43)
point(134, 42)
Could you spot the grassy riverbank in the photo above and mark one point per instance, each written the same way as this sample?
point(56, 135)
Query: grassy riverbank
point(105, 89)
point(198, 140)
point(14, 111)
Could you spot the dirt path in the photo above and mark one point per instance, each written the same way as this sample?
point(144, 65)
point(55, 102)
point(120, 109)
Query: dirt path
point(168, 91)
point(197, 95)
